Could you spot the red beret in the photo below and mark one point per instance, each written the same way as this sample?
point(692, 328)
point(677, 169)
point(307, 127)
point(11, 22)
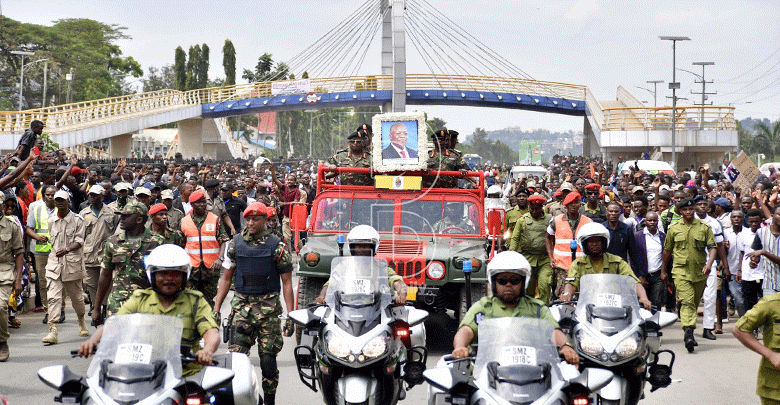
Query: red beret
point(256, 208)
point(536, 199)
point(157, 208)
point(572, 197)
point(75, 170)
point(271, 211)
point(592, 186)
point(197, 195)
point(557, 193)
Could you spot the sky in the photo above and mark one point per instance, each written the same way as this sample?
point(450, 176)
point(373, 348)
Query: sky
point(599, 44)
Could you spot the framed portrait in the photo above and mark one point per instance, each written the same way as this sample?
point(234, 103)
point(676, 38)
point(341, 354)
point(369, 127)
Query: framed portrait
point(400, 144)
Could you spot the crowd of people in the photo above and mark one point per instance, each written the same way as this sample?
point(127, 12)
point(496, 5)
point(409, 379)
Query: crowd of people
point(81, 229)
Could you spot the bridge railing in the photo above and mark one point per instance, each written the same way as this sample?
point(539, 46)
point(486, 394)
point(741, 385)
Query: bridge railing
point(660, 118)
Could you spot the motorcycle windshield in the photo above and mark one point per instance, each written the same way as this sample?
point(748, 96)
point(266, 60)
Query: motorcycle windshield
point(135, 346)
point(515, 357)
point(358, 292)
point(607, 302)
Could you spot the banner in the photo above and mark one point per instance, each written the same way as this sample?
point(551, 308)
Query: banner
point(529, 152)
point(302, 86)
point(742, 172)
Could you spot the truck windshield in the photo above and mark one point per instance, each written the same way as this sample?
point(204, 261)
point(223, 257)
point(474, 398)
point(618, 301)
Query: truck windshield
point(343, 214)
point(440, 217)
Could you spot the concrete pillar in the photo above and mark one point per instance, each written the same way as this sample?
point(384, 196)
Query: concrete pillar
point(399, 56)
point(191, 138)
point(587, 134)
point(120, 145)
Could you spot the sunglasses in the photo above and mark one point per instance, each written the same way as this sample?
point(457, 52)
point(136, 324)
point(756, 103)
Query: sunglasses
point(355, 141)
point(592, 192)
point(513, 281)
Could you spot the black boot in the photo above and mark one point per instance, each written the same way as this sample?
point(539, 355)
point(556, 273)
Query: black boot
point(62, 317)
point(45, 319)
point(269, 399)
point(690, 342)
point(708, 334)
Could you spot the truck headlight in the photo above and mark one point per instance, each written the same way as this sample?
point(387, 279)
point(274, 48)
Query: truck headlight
point(628, 347)
point(590, 345)
point(338, 347)
point(375, 347)
point(435, 270)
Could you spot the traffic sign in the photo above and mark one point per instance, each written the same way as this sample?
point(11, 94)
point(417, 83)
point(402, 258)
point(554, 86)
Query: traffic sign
point(311, 98)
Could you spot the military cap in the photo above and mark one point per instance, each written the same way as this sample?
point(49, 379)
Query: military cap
point(122, 186)
point(197, 195)
point(62, 194)
point(592, 186)
point(96, 189)
point(134, 207)
point(530, 184)
point(143, 190)
point(256, 208)
point(572, 197)
point(270, 211)
point(211, 183)
point(157, 208)
point(566, 186)
point(443, 133)
point(166, 195)
point(687, 202)
point(537, 199)
point(365, 127)
point(355, 135)
point(522, 191)
point(699, 198)
point(723, 202)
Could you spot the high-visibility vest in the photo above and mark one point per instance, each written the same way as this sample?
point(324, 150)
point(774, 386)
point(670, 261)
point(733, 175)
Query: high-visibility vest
point(563, 237)
point(41, 215)
point(202, 244)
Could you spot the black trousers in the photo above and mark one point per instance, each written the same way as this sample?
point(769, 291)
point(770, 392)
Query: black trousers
point(752, 292)
point(656, 292)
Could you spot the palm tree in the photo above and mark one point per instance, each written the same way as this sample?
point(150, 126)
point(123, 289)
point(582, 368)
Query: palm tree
point(769, 137)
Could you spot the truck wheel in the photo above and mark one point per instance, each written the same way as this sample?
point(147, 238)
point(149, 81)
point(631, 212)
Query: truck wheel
point(308, 289)
point(477, 292)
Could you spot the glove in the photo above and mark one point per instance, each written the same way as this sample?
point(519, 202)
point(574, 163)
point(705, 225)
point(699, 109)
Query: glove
point(288, 328)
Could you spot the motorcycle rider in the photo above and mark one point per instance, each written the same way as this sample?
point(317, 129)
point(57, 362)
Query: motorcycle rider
point(168, 268)
point(508, 273)
point(363, 240)
point(593, 239)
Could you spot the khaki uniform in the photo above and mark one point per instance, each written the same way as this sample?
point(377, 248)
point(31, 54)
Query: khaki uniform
point(66, 272)
point(41, 256)
point(346, 159)
point(174, 218)
point(512, 215)
point(189, 306)
point(123, 256)
point(11, 245)
point(689, 245)
point(493, 307)
point(556, 208)
point(610, 264)
point(528, 238)
point(765, 315)
point(97, 229)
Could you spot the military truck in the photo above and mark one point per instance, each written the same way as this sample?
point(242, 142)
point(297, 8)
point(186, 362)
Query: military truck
point(426, 235)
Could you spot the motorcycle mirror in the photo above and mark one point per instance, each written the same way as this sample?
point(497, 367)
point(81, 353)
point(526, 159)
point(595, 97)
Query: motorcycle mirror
point(495, 224)
point(57, 376)
point(666, 318)
point(300, 316)
point(298, 217)
point(416, 316)
point(214, 377)
point(439, 377)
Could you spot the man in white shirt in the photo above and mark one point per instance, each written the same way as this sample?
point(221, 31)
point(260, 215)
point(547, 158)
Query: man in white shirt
point(711, 290)
point(646, 261)
point(732, 257)
point(751, 277)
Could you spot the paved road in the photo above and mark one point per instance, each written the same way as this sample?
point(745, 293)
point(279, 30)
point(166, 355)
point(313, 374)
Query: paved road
point(719, 372)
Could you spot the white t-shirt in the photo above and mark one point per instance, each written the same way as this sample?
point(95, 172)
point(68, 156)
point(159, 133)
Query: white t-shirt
point(732, 254)
point(717, 230)
point(745, 241)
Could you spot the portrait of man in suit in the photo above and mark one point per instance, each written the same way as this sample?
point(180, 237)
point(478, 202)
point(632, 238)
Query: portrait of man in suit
point(398, 146)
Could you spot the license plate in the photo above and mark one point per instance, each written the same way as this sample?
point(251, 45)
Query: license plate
point(359, 286)
point(133, 353)
point(609, 300)
point(411, 293)
point(518, 355)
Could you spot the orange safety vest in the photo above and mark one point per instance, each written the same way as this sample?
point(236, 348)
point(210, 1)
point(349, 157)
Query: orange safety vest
point(563, 237)
point(202, 244)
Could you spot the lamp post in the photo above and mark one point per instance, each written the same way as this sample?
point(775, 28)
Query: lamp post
point(21, 79)
point(674, 85)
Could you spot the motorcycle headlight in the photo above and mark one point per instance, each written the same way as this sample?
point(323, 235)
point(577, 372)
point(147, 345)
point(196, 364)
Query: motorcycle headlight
point(375, 347)
point(628, 347)
point(338, 347)
point(590, 345)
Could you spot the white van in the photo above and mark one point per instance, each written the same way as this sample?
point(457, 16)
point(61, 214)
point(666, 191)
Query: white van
point(518, 172)
point(649, 166)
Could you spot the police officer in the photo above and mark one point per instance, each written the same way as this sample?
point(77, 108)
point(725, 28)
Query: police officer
point(528, 238)
point(593, 239)
point(122, 270)
point(560, 233)
point(355, 156)
point(167, 270)
point(519, 207)
point(258, 260)
point(764, 315)
point(592, 209)
point(507, 276)
point(11, 264)
point(691, 243)
point(65, 268)
point(99, 223)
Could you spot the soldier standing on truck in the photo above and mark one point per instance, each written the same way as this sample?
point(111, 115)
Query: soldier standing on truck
point(355, 156)
point(444, 159)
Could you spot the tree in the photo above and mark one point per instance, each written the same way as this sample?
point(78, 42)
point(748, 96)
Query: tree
point(229, 62)
point(203, 67)
point(180, 69)
point(159, 79)
point(193, 66)
point(768, 138)
point(262, 70)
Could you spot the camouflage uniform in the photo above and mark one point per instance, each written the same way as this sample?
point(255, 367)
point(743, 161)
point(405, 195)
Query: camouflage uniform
point(447, 161)
point(345, 159)
point(171, 235)
point(124, 256)
point(256, 317)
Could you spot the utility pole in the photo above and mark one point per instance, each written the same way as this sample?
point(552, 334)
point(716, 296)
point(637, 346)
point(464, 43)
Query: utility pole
point(45, 70)
point(655, 90)
point(703, 91)
point(674, 85)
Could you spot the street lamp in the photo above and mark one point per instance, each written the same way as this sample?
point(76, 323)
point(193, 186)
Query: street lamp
point(654, 91)
point(21, 80)
point(674, 85)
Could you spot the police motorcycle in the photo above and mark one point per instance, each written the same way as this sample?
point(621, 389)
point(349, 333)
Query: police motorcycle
point(521, 367)
point(140, 357)
point(612, 332)
point(359, 348)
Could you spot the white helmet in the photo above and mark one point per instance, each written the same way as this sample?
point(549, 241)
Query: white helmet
point(589, 230)
point(167, 257)
point(509, 262)
point(363, 234)
point(494, 189)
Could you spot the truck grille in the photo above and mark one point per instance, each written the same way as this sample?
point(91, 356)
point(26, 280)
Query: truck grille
point(407, 257)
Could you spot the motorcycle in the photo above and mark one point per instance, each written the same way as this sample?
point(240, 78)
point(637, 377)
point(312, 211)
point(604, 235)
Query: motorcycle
point(611, 331)
point(521, 367)
point(139, 361)
point(359, 348)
